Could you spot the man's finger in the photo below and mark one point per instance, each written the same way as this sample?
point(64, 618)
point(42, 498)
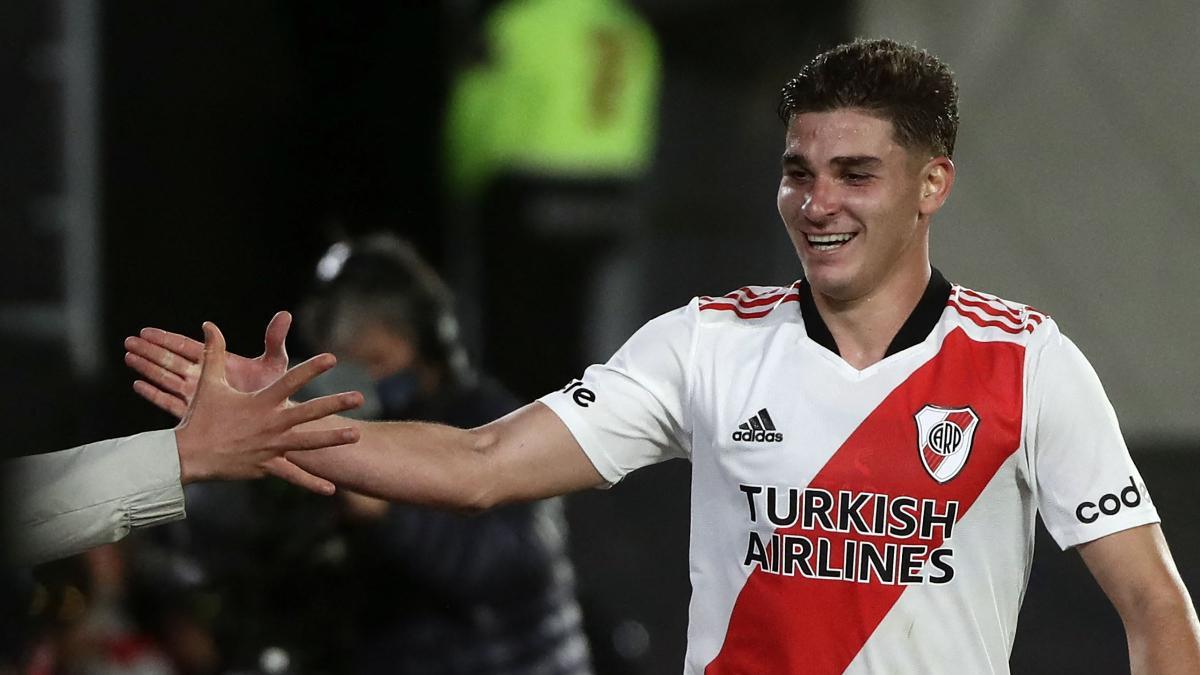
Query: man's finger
point(171, 404)
point(158, 375)
point(179, 344)
point(297, 377)
point(165, 358)
point(213, 366)
point(317, 439)
point(275, 342)
point(280, 467)
point(321, 407)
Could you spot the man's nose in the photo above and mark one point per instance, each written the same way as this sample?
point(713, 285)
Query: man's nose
point(822, 201)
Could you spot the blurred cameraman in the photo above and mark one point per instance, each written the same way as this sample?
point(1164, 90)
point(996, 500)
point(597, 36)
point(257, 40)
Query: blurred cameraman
point(437, 592)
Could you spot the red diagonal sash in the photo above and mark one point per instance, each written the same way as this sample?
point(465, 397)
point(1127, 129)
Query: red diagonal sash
point(795, 624)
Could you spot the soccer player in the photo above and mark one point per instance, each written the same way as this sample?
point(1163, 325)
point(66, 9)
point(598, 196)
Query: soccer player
point(65, 502)
point(870, 445)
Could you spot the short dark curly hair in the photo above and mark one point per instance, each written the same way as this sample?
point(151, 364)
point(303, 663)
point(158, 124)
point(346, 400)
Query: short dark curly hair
point(908, 86)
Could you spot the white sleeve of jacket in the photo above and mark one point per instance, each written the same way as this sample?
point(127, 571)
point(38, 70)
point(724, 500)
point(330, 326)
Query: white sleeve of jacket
point(61, 503)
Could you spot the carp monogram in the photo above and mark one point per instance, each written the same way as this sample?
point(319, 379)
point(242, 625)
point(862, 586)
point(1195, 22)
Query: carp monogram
point(944, 438)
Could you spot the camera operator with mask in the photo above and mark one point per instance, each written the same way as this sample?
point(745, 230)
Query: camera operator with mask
point(436, 592)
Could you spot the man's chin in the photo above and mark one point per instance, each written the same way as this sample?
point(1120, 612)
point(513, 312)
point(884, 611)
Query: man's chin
point(835, 285)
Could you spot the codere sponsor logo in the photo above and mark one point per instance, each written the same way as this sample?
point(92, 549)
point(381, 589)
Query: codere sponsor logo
point(758, 429)
point(582, 396)
point(1131, 496)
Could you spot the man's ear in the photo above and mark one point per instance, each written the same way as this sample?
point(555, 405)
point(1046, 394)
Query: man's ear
point(937, 178)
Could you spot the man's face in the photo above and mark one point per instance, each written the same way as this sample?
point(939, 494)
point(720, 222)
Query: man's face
point(851, 198)
point(380, 350)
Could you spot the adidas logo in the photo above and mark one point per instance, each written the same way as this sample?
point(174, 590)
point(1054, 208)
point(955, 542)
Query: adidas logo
point(758, 429)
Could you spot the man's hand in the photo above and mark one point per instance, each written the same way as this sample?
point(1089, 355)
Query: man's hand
point(230, 434)
point(170, 362)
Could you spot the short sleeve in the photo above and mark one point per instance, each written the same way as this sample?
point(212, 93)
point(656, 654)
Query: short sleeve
point(1087, 484)
point(632, 411)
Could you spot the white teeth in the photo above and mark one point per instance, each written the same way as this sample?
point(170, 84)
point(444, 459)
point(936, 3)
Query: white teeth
point(828, 242)
point(829, 238)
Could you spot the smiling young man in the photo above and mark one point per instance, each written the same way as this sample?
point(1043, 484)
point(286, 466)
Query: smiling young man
point(870, 445)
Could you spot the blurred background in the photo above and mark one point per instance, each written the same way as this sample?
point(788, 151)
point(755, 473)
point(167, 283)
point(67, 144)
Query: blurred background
point(571, 168)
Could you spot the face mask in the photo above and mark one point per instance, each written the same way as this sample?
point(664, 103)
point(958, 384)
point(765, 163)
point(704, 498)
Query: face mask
point(398, 391)
point(348, 376)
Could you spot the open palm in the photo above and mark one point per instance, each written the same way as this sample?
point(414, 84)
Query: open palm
point(170, 364)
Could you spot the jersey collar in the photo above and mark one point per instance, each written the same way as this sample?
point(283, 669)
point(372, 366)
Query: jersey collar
point(916, 328)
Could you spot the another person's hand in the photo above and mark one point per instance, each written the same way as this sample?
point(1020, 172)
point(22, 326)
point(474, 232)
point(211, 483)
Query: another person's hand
point(228, 434)
point(170, 362)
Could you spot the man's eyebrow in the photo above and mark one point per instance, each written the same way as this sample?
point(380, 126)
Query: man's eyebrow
point(856, 161)
point(793, 159)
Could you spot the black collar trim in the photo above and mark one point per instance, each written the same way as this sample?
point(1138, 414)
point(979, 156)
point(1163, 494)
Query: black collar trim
point(916, 328)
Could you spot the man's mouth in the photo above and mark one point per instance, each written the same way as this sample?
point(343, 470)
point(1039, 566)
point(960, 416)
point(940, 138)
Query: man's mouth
point(829, 242)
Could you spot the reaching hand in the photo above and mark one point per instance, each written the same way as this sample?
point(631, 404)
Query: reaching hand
point(170, 362)
point(230, 434)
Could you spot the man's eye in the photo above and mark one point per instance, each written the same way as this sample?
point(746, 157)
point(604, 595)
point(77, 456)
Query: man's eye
point(857, 177)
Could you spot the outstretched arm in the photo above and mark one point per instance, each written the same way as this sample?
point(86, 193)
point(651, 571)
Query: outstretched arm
point(1135, 569)
point(528, 454)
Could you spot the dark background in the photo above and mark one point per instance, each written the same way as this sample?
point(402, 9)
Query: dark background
point(236, 140)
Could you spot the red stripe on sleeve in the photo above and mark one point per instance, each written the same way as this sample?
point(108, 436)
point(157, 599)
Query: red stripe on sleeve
point(744, 290)
point(996, 302)
point(983, 323)
point(990, 309)
point(744, 314)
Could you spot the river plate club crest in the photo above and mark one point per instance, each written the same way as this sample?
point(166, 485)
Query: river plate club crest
point(944, 438)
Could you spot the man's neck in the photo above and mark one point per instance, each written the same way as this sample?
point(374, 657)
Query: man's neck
point(864, 327)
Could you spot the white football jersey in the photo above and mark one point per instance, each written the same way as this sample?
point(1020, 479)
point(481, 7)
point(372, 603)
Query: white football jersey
point(861, 521)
